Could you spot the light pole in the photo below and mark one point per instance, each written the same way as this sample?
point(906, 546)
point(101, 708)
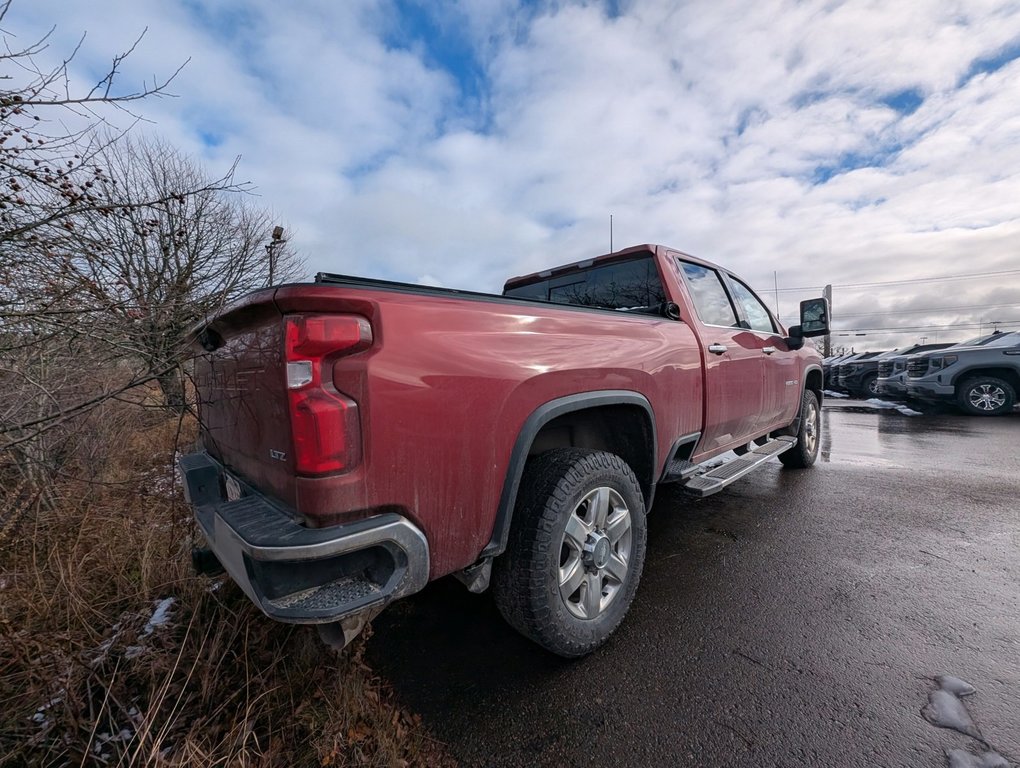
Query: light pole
point(273, 250)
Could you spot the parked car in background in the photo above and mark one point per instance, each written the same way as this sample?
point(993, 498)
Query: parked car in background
point(983, 379)
point(860, 377)
point(829, 370)
point(891, 373)
point(847, 378)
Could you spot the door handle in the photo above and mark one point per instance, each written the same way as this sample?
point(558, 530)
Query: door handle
point(716, 349)
point(768, 350)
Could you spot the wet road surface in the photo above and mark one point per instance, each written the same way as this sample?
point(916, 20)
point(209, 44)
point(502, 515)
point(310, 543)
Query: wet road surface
point(794, 619)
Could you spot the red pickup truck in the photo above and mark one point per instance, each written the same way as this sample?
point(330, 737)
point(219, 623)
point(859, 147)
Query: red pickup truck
point(361, 438)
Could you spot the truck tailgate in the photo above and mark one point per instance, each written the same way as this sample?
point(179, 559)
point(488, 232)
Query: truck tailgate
point(241, 383)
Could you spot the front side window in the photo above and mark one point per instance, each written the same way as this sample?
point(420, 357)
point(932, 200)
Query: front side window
point(755, 312)
point(709, 295)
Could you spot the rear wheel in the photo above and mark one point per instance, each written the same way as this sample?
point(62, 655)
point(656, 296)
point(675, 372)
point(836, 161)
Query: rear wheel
point(576, 550)
point(809, 435)
point(986, 396)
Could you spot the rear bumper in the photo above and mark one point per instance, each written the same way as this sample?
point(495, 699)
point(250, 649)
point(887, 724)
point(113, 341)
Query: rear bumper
point(304, 575)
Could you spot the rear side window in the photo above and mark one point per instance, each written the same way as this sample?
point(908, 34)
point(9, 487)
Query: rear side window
point(620, 285)
point(709, 295)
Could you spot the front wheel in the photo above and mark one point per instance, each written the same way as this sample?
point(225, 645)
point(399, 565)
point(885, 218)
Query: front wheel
point(986, 396)
point(576, 550)
point(804, 453)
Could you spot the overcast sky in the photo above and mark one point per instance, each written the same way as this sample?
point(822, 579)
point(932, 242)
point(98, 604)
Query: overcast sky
point(458, 143)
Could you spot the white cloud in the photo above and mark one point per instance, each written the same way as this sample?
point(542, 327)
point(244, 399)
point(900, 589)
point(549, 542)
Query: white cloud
point(701, 126)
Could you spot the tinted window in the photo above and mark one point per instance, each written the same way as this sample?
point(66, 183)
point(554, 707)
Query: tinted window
point(1005, 340)
point(709, 295)
point(619, 285)
point(754, 310)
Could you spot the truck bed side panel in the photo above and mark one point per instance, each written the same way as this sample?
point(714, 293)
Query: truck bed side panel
point(448, 384)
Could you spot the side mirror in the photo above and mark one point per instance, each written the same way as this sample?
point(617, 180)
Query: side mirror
point(814, 318)
point(670, 309)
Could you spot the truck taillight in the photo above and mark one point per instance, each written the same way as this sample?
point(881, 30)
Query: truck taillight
point(325, 425)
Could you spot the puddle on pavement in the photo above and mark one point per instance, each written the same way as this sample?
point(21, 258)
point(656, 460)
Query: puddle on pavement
point(887, 439)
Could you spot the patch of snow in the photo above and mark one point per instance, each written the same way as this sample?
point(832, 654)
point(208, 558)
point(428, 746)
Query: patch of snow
point(726, 458)
point(39, 718)
point(160, 616)
point(955, 685)
point(164, 479)
point(944, 710)
point(830, 393)
point(961, 758)
point(905, 410)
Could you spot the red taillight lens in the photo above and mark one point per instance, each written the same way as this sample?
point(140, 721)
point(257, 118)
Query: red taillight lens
point(326, 430)
point(316, 336)
point(325, 426)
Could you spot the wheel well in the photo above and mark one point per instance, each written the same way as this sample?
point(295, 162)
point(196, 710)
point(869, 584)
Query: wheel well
point(814, 382)
point(621, 429)
point(616, 420)
point(1006, 374)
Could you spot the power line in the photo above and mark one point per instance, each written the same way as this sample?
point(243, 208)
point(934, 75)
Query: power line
point(918, 311)
point(968, 276)
point(954, 326)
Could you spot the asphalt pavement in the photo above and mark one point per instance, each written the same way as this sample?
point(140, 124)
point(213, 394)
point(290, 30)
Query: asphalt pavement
point(798, 618)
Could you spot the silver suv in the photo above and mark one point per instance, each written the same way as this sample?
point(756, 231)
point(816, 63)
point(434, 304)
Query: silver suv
point(983, 380)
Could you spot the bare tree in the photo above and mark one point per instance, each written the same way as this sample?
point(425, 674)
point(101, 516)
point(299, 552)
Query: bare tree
point(109, 249)
point(161, 267)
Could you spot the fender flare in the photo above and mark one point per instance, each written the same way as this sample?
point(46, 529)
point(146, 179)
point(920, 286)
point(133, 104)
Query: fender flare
point(794, 427)
point(532, 426)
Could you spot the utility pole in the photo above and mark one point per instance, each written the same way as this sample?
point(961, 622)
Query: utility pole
point(273, 250)
point(610, 233)
point(775, 282)
point(827, 341)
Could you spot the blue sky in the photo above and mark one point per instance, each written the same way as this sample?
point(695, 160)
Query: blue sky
point(460, 142)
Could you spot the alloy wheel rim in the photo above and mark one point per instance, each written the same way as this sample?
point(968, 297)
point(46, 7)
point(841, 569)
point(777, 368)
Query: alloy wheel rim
point(595, 553)
point(811, 428)
point(987, 397)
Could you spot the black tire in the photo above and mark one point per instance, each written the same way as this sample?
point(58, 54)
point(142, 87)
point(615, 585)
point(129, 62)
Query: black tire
point(869, 387)
point(986, 396)
point(809, 435)
point(529, 581)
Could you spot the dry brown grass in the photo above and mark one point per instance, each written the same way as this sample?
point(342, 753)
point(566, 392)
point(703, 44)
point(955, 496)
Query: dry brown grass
point(85, 681)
